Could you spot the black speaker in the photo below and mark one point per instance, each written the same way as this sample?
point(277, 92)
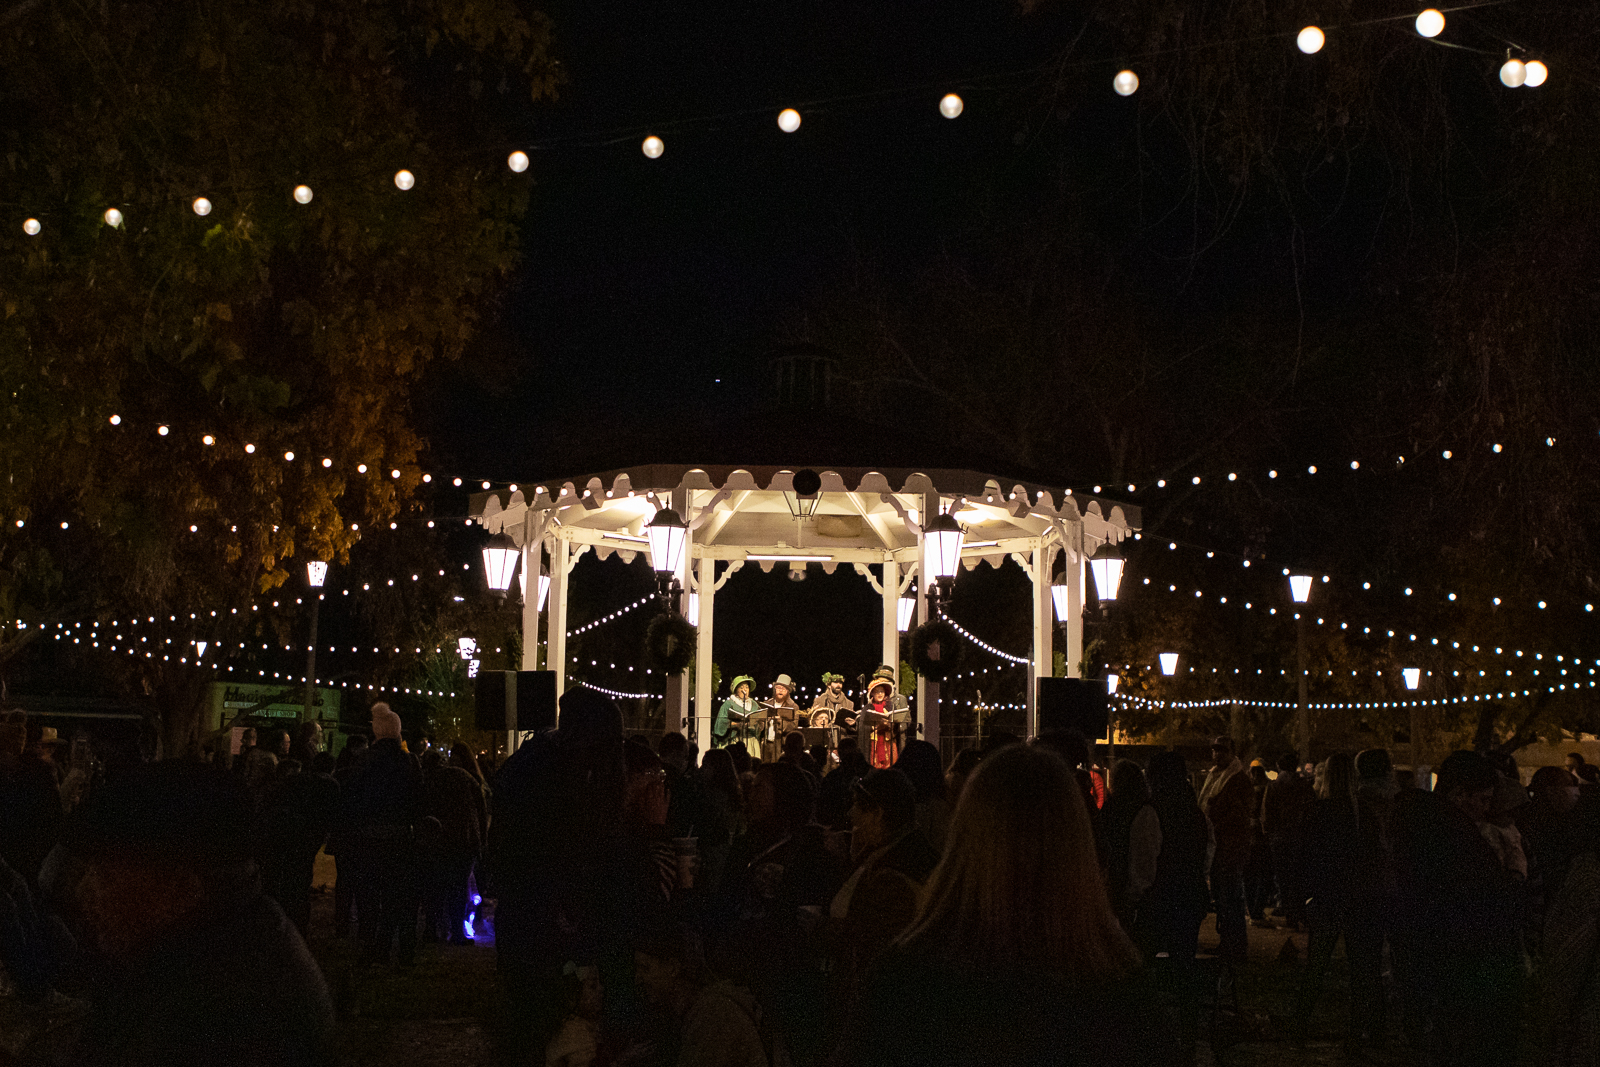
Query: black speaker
point(1073, 704)
point(515, 700)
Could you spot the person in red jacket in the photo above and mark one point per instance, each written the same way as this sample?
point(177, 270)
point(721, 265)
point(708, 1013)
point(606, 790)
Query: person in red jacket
point(1228, 798)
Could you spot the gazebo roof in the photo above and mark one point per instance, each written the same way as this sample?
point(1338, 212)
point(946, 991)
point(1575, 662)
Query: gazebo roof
point(862, 514)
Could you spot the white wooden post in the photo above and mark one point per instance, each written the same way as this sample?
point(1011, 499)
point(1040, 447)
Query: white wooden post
point(703, 695)
point(1042, 664)
point(891, 613)
point(1075, 564)
point(556, 627)
point(531, 552)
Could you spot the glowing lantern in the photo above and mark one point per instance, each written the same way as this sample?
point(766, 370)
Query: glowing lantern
point(1311, 40)
point(944, 537)
point(404, 179)
point(788, 120)
point(1413, 676)
point(316, 573)
point(499, 560)
point(1061, 597)
point(653, 147)
point(904, 611)
point(1106, 565)
point(517, 161)
point(1534, 74)
point(666, 533)
point(302, 194)
point(1430, 23)
point(1300, 587)
point(1111, 682)
point(1513, 73)
point(1169, 663)
point(202, 206)
point(950, 107)
point(1126, 83)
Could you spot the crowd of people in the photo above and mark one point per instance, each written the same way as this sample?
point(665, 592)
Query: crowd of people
point(1022, 905)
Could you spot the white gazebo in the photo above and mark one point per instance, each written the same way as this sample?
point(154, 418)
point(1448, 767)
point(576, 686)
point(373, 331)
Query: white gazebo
point(868, 519)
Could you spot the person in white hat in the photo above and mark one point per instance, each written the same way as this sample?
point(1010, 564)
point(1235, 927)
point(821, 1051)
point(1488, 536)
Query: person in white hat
point(782, 709)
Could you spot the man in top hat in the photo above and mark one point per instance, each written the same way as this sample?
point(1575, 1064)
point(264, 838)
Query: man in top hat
point(832, 707)
point(783, 711)
point(729, 726)
point(880, 739)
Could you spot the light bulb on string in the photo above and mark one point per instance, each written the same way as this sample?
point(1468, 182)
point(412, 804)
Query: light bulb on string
point(113, 217)
point(202, 206)
point(950, 107)
point(517, 161)
point(1430, 23)
point(31, 227)
point(653, 147)
point(1513, 73)
point(1126, 83)
point(788, 120)
point(1310, 40)
point(404, 179)
point(1534, 73)
point(302, 194)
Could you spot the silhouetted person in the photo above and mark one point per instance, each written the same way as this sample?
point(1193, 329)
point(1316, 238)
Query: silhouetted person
point(1283, 808)
point(300, 811)
point(196, 966)
point(1227, 798)
point(1015, 956)
point(379, 809)
point(1569, 980)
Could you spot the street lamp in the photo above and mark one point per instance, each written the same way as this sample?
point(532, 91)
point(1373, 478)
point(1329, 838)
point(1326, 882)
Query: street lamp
point(500, 557)
point(1300, 591)
point(1412, 675)
point(1111, 682)
point(943, 535)
point(1106, 563)
point(905, 610)
point(316, 576)
point(667, 534)
point(544, 586)
point(1169, 663)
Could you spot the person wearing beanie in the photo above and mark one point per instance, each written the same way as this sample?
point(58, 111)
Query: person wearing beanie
point(158, 883)
point(379, 807)
point(1457, 930)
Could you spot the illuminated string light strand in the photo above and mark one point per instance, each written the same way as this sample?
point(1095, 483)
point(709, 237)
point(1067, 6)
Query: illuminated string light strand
point(586, 627)
point(1349, 704)
point(981, 643)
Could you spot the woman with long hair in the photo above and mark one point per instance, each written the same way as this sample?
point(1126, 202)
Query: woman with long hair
point(1130, 840)
point(1015, 956)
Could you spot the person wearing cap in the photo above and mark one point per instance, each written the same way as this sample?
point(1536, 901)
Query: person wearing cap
point(881, 740)
point(782, 711)
point(196, 965)
point(729, 726)
point(1228, 798)
point(1457, 932)
point(832, 707)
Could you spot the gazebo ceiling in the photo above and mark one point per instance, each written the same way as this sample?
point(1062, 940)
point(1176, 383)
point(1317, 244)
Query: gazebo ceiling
point(859, 514)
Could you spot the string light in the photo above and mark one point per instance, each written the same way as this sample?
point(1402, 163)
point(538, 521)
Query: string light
point(113, 217)
point(1430, 23)
point(404, 179)
point(1310, 40)
point(951, 106)
point(31, 227)
point(202, 206)
point(964, 632)
point(1126, 83)
point(788, 120)
point(302, 194)
point(653, 147)
point(517, 161)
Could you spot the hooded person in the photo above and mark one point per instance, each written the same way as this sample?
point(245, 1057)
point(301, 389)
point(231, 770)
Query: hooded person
point(378, 811)
point(729, 726)
point(166, 901)
point(879, 734)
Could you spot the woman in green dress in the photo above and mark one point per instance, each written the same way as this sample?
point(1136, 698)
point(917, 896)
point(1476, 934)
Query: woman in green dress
point(729, 725)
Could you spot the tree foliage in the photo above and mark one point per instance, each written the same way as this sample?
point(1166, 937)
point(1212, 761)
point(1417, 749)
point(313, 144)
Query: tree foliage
point(263, 328)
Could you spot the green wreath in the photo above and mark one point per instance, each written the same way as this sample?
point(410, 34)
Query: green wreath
point(923, 638)
point(670, 642)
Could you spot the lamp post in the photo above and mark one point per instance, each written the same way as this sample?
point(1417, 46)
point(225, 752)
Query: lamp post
point(500, 557)
point(316, 575)
point(667, 533)
point(942, 538)
point(1106, 565)
point(1300, 590)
